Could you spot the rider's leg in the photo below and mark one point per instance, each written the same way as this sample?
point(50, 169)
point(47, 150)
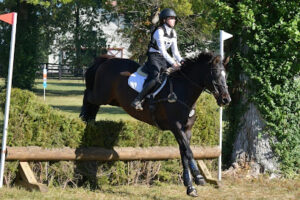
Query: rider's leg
point(137, 102)
point(152, 68)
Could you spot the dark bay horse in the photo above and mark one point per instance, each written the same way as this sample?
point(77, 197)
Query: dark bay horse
point(106, 84)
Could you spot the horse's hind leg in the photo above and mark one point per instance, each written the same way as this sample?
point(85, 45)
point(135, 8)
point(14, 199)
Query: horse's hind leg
point(88, 110)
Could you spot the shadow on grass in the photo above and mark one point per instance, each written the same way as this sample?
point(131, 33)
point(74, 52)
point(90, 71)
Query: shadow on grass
point(104, 134)
point(71, 109)
point(103, 110)
point(111, 110)
point(58, 83)
point(68, 84)
point(58, 92)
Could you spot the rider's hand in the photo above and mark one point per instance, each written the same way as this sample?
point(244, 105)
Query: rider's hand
point(176, 65)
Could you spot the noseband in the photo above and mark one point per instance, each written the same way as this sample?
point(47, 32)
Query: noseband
point(216, 92)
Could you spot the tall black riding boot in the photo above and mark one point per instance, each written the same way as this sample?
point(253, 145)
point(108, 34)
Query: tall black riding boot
point(137, 102)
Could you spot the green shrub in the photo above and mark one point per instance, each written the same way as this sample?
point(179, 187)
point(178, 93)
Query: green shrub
point(33, 123)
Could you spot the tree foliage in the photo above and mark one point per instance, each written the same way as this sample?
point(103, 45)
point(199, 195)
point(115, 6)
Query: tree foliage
point(266, 46)
point(73, 24)
point(27, 54)
point(78, 32)
point(194, 27)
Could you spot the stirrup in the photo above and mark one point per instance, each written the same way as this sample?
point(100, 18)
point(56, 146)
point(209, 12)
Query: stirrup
point(137, 105)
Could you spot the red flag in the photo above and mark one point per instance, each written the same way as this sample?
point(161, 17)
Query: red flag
point(8, 18)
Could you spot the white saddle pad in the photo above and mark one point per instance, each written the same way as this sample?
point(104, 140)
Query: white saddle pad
point(136, 81)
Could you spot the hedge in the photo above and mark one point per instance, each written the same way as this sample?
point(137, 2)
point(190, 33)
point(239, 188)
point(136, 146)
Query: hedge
point(33, 123)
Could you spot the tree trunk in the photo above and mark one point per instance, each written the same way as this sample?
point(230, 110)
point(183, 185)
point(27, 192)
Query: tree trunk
point(252, 144)
point(77, 36)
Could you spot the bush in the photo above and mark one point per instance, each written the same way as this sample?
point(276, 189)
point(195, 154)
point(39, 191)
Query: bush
point(35, 124)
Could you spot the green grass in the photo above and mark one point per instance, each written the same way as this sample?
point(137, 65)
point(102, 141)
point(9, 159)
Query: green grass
point(67, 95)
point(232, 189)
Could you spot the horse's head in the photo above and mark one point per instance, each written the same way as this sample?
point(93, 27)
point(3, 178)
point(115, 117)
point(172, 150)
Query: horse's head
point(216, 81)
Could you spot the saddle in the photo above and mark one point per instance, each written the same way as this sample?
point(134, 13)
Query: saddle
point(137, 79)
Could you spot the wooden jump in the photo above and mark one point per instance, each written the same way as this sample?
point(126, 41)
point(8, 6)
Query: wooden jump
point(101, 154)
point(26, 178)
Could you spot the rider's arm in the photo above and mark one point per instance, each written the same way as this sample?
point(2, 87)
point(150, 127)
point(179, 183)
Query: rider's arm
point(175, 51)
point(159, 37)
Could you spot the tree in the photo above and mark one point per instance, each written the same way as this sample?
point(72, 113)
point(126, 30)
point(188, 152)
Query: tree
point(26, 52)
point(39, 24)
point(80, 36)
point(193, 30)
point(264, 115)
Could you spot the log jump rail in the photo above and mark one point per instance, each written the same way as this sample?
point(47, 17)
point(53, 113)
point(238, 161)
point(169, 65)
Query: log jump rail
point(102, 154)
point(26, 177)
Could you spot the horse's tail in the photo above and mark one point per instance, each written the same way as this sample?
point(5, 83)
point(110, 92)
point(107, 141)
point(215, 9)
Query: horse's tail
point(91, 71)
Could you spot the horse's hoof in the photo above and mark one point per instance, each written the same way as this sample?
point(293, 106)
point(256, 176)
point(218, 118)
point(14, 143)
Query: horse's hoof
point(199, 180)
point(191, 191)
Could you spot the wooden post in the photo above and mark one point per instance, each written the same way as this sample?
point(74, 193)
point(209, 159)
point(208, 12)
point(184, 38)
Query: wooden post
point(26, 179)
point(206, 174)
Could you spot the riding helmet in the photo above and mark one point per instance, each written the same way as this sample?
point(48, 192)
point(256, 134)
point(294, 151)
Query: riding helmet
point(165, 13)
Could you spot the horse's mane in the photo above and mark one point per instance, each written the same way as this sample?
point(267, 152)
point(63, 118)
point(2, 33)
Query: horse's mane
point(202, 57)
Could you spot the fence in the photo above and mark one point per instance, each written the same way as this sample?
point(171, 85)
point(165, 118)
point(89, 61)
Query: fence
point(57, 71)
point(27, 179)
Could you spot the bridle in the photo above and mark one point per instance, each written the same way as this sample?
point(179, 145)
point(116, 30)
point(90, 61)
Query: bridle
point(215, 85)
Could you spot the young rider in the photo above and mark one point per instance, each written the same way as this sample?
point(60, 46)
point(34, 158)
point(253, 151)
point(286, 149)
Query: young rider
point(163, 37)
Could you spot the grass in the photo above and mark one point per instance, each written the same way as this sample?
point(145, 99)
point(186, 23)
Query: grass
point(67, 95)
point(233, 188)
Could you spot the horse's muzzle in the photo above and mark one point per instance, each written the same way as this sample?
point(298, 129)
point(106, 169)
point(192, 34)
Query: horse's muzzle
point(223, 99)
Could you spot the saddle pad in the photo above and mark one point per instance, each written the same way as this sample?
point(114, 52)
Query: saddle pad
point(136, 81)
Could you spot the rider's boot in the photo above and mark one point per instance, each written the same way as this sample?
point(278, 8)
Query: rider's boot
point(137, 102)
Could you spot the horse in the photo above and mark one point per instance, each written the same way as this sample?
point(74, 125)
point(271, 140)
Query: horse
point(107, 83)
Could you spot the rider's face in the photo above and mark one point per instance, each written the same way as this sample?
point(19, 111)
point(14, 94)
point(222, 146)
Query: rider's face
point(171, 21)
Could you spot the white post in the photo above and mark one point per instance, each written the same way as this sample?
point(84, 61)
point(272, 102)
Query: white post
point(44, 81)
point(223, 36)
point(8, 91)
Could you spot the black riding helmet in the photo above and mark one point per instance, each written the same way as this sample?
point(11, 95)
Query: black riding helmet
point(165, 13)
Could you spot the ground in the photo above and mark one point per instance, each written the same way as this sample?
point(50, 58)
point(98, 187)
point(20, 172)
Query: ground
point(233, 189)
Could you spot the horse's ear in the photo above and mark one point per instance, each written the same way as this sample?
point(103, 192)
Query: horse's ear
point(216, 60)
point(226, 61)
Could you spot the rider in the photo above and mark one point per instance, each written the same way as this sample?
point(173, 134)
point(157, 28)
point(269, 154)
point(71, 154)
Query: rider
point(163, 37)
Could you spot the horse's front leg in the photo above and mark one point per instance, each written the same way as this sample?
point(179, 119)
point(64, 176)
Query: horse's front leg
point(187, 177)
point(199, 179)
point(186, 157)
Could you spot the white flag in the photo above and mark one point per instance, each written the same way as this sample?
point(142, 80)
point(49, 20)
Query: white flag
point(226, 35)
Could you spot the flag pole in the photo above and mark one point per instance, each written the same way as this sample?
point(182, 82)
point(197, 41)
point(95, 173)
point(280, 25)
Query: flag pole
point(8, 92)
point(44, 81)
point(223, 36)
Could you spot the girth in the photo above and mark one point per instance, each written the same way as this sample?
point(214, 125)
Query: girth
point(172, 98)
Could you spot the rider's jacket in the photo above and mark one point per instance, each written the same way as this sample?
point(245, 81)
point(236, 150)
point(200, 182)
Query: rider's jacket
point(162, 39)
